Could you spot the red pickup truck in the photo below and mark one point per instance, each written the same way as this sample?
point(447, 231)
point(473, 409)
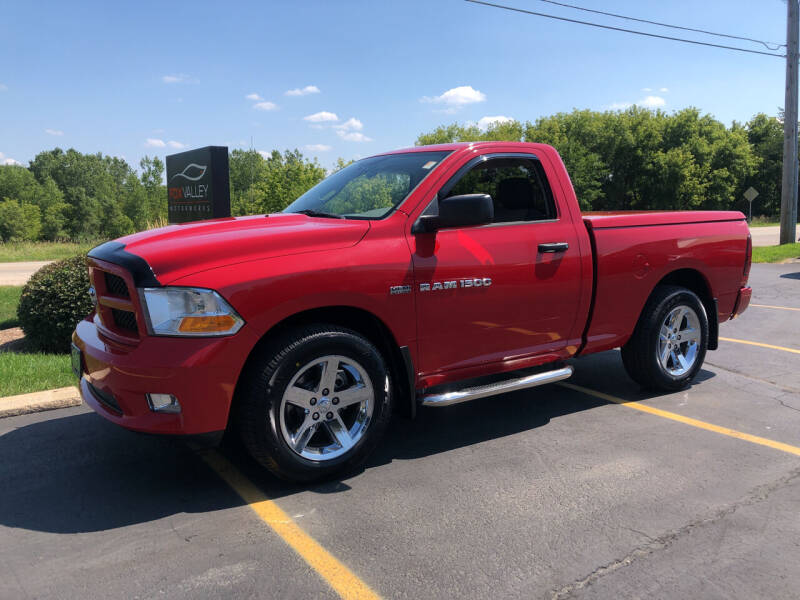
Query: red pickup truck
point(431, 275)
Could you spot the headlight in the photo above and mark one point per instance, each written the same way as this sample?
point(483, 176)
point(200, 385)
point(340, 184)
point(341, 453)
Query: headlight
point(184, 311)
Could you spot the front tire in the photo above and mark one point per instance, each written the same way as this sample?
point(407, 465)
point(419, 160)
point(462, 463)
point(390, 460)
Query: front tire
point(669, 343)
point(314, 403)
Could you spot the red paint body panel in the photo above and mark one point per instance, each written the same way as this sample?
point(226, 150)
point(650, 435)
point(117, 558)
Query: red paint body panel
point(201, 373)
point(179, 250)
point(270, 268)
point(742, 302)
point(631, 261)
point(646, 218)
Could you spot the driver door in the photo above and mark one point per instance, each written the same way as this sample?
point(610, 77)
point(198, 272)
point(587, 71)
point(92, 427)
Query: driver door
point(487, 295)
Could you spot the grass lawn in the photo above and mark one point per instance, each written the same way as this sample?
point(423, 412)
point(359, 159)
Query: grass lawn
point(765, 223)
point(771, 254)
point(23, 251)
point(21, 373)
point(9, 299)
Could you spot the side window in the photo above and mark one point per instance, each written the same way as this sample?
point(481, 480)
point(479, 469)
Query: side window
point(518, 188)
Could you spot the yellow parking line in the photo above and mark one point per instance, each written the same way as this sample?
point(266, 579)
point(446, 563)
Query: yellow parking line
point(762, 345)
point(778, 307)
point(687, 420)
point(337, 575)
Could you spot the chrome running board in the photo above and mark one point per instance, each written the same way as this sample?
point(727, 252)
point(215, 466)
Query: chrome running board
point(500, 387)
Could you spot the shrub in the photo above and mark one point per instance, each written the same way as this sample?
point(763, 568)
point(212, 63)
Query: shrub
point(53, 301)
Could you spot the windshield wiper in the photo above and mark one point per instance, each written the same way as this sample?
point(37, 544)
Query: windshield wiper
point(318, 213)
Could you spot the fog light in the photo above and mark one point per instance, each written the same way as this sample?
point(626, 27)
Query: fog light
point(166, 403)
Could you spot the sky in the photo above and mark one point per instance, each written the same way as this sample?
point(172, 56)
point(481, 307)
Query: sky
point(354, 78)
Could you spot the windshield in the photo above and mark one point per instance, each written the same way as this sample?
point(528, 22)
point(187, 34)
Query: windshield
point(368, 189)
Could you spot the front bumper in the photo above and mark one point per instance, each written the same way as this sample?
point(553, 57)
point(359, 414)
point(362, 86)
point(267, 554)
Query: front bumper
point(201, 372)
point(742, 301)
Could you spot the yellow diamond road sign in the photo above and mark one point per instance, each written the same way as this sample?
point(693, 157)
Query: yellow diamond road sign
point(750, 194)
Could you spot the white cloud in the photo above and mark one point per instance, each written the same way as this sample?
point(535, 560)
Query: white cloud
point(652, 101)
point(619, 105)
point(265, 154)
point(54, 132)
point(663, 90)
point(647, 89)
point(321, 117)
point(353, 136)
point(352, 124)
point(255, 97)
point(265, 106)
point(646, 102)
point(155, 143)
point(7, 160)
point(309, 89)
point(3, 87)
point(457, 97)
point(174, 144)
point(178, 78)
point(317, 147)
point(484, 122)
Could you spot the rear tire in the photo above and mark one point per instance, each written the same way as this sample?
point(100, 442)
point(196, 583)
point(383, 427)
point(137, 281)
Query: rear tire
point(669, 343)
point(314, 403)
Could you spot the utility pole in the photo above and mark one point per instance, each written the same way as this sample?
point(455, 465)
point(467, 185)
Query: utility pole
point(790, 165)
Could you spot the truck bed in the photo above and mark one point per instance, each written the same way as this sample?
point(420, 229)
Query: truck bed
point(635, 251)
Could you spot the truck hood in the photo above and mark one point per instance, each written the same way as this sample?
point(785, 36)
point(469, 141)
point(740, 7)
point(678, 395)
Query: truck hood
point(179, 250)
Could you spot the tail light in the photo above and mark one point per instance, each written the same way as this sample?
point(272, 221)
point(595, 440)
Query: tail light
point(748, 258)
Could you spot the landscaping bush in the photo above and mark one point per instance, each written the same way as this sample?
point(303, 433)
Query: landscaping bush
point(52, 303)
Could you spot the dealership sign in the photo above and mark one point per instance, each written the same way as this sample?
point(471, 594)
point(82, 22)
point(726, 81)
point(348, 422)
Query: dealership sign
point(198, 185)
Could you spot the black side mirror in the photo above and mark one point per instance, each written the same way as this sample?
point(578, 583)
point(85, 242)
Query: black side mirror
point(458, 211)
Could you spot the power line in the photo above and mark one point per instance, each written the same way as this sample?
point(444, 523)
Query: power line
point(653, 35)
point(767, 45)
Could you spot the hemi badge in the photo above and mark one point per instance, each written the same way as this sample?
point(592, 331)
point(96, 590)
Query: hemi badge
point(399, 289)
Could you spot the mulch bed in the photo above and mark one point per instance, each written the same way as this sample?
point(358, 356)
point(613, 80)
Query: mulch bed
point(12, 339)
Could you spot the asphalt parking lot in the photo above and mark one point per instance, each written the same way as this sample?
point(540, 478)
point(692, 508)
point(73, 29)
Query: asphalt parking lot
point(593, 489)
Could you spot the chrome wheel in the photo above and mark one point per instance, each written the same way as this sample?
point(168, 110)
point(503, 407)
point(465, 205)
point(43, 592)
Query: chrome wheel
point(679, 341)
point(326, 408)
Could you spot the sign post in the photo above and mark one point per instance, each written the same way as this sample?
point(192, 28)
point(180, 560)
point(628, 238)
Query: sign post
point(198, 185)
point(750, 195)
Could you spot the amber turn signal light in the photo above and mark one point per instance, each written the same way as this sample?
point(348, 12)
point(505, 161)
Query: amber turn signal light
point(207, 324)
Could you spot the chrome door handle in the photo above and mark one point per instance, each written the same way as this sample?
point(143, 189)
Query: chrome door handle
point(554, 247)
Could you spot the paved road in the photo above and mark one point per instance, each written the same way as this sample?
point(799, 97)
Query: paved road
point(17, 273)
point(766, 236)
point(550, 493)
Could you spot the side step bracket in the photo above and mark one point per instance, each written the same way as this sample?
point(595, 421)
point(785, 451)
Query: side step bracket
point(499, 387)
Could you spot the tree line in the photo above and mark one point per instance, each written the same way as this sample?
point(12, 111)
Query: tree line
point(618, 160)
point(638, 159)
point(67, 195)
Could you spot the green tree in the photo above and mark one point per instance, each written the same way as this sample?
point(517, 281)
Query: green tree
point(19, 183)
point(92, 186)
point(152, 173)
point(155, 192)
point(635, 158)
point(765, 136)
point(19, 221)
point(281, 179)
point(245, 169)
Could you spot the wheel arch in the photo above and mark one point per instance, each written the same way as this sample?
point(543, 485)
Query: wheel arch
point(695, 281)
point(361, 321)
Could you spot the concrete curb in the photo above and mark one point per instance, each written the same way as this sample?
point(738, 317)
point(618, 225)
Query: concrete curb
point(12, 406)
